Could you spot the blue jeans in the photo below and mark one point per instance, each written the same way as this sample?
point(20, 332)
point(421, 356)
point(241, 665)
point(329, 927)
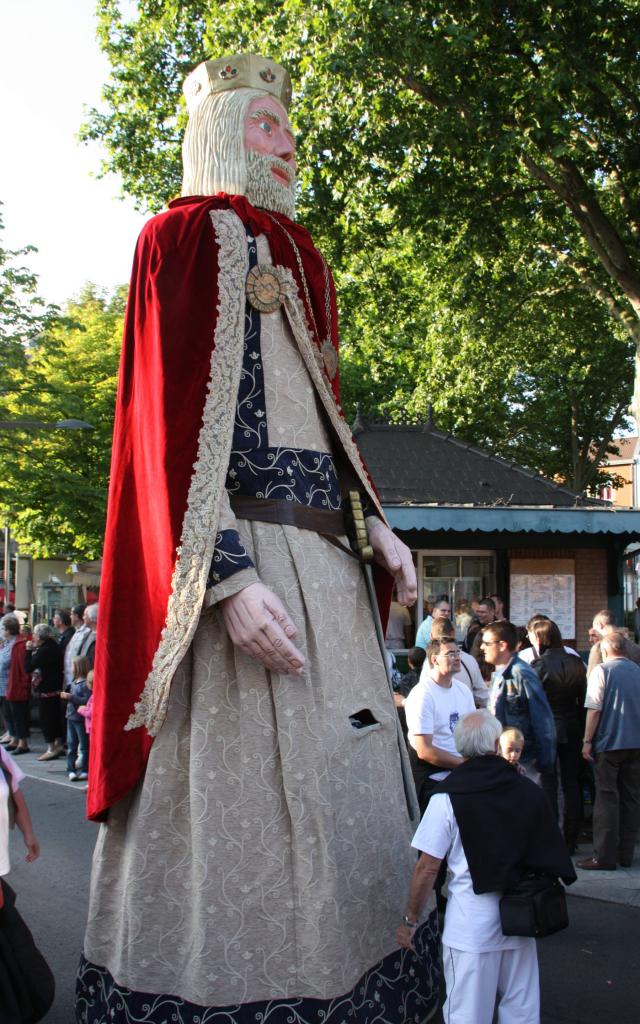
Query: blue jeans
point(77, 737)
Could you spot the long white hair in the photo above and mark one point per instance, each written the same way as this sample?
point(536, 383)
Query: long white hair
point(213, 154)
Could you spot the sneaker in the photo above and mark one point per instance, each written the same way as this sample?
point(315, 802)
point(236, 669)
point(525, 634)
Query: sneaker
point(81, 776)
point(72, 777)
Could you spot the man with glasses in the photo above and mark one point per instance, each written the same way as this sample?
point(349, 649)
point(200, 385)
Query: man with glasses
point(469, 674)
point(517, 699)
point(484, 616)
point(432, 708)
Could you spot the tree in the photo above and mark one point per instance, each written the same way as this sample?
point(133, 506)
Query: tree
point(470, 132)
point(523, 363)
point(53, 483)
point(23, 314)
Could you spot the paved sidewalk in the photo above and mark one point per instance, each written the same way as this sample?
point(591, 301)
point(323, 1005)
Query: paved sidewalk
point(46, 771)
point(619, 886)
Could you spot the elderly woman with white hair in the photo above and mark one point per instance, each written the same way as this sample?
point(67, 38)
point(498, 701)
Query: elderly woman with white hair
point(44, 656)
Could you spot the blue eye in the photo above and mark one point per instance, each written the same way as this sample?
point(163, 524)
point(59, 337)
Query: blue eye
point(266, 126)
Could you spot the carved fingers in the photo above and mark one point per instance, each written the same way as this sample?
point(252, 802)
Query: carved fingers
point(395, 556)
point(259, 624)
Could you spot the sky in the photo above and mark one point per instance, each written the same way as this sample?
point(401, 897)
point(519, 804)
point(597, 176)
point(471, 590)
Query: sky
point(51, 71)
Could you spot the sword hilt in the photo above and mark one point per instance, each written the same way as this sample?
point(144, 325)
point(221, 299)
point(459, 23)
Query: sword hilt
point(362, 537)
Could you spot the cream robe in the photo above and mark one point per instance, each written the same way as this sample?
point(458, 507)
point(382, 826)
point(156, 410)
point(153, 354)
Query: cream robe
point(266, 852)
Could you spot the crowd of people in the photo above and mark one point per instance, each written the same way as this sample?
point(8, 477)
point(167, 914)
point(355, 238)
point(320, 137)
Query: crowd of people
point(573, 730)
point(50, 665)
point(563, 717)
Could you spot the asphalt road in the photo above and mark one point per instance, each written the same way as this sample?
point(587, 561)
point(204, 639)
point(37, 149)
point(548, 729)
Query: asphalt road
point(588, 972)
point(53, 892)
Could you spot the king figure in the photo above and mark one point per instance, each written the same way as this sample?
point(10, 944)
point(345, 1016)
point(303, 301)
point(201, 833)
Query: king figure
point(246, 765)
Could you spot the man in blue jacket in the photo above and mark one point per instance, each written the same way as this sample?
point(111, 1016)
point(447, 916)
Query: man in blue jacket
point(518, 699)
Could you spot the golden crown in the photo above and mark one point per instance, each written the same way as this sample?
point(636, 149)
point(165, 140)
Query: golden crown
point(242, 71)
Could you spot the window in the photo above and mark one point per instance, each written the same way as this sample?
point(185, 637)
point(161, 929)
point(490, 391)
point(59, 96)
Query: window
point(462, 577)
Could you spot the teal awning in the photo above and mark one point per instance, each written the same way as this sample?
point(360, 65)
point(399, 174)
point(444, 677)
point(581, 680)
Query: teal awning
point(460, 519)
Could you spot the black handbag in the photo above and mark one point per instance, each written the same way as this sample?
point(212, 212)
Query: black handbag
point(536, 906)
point(27, 986)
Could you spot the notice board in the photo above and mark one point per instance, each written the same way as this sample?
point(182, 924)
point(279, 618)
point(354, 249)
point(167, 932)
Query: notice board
point(548, 587)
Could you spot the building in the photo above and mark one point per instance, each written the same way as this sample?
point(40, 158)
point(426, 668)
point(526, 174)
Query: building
point(625, 465)
point(626, 494)
point(479, 525)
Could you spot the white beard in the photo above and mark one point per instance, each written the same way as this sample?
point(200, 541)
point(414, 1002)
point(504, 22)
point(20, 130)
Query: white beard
point(264, 190)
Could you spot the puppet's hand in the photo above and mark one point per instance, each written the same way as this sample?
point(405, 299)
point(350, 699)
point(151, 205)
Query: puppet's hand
point(258, 623)
point(395, 557)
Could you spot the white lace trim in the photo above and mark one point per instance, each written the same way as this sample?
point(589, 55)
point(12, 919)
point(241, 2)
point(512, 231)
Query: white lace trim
point(314, 362)
point(198, 535)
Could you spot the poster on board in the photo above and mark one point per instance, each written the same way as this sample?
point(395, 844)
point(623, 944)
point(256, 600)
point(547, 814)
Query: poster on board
point(552, 594)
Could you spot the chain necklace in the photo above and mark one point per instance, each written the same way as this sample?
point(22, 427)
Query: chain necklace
point(328, 352)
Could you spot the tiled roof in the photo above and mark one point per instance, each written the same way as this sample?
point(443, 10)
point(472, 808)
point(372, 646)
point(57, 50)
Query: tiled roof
point(421, 465)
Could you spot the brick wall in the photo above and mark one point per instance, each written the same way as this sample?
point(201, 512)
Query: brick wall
point(591, 589)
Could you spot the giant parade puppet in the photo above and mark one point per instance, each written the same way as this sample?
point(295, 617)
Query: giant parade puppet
point(246, 765)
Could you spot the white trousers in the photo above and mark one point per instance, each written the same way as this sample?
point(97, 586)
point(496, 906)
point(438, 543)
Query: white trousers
point(474, 980)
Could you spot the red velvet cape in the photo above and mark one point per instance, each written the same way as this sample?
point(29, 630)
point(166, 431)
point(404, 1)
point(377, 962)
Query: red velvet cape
point(164, 374)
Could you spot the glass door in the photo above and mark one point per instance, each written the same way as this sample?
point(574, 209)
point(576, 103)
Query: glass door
point(462, 577)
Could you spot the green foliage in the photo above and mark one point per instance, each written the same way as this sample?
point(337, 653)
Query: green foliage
point(23, 314)
point(53, 483)
point(471, 169)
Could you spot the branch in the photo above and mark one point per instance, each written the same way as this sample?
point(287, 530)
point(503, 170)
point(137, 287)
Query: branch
point(592, 462)
point(577, 209)
point(589, 213)
point(626, 203)
point(441, 103)
point(537, 171)
point(617, 310)
point(628, 94)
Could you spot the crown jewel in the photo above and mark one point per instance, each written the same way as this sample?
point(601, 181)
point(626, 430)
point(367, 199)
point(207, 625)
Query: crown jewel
point(241, 71)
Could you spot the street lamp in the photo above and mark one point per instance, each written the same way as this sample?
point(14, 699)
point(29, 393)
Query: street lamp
point(70, 424)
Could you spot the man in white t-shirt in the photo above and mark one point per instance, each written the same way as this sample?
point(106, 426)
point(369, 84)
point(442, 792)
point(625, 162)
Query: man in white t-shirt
point(480, 963)
point(469, 674)
point(432, 709)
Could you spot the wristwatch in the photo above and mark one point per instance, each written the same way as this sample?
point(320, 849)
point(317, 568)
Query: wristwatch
point(409, 924)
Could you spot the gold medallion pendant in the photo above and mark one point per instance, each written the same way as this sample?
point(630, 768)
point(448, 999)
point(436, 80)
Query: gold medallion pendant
point(329, 358)
point(264, 288)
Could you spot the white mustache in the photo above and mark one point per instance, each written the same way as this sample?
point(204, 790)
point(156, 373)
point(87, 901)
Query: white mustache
point(280, 165)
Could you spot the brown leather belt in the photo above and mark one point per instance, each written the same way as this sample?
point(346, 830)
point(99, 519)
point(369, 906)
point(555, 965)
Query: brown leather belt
point(330, 524)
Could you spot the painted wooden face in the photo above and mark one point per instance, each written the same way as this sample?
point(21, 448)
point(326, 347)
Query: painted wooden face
point(267, 130)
